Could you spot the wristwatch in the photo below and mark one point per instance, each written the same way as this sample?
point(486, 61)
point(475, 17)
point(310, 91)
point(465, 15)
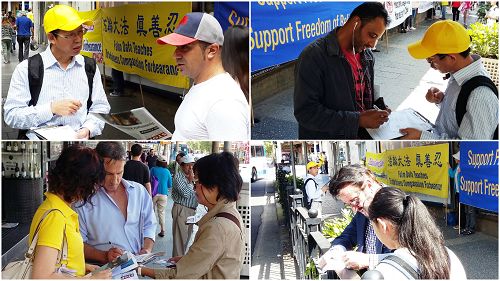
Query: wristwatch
point(139, 270)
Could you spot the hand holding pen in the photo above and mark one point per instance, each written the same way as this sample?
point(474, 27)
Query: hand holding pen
point(113, 252)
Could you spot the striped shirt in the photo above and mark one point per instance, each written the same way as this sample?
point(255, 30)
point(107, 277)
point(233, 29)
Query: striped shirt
point(183, 192)
point(481, 118)
point(58, 84)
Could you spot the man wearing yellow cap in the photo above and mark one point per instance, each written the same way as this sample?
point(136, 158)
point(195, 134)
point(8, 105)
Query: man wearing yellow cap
point(68, 93)
point(314, 194)
point(446, 47)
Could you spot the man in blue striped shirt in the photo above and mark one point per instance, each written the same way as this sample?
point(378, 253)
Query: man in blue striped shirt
point(185, 204)
point(65, 90)
point(446, 46)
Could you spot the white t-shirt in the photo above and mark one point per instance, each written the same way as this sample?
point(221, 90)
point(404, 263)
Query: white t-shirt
point(457, 271)
point(215, 109)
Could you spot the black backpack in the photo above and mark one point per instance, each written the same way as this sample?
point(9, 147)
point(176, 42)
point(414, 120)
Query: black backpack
point(464, 94)
point(305, 199)
point(35, 80)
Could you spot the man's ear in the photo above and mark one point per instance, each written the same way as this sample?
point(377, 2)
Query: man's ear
point(213, 51)
point(51, 37)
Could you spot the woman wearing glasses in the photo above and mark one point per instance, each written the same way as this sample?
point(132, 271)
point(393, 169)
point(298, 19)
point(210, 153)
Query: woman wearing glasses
point(74, 178)
point(218, 247)
point(403, 223)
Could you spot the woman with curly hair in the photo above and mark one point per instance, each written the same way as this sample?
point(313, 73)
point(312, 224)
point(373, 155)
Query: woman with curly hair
point(74, 178)
point(218, 247)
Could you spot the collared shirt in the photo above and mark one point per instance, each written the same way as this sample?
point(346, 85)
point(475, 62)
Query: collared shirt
point(58, 84)
point(183, 192)
point(481, 118)
point(217, 251)
point(313, 192)
point(103, 226)
point(51, 231)
point(24, 25)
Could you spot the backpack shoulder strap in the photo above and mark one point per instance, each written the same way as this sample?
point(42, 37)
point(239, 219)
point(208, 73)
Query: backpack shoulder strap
point(230, 217)
point(90, 69)
point(402, 266)
point(35, 77)
point(307, 180)
point(466, 90)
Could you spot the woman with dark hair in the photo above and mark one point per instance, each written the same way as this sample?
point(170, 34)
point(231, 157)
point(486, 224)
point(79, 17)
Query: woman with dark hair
point(402, 222)
point(218, 247)
point(74, 178)
point(164, 177)
point(235, 55)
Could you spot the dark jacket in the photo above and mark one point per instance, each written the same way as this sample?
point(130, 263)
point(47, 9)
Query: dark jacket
point(324, 95)
point(354, 235)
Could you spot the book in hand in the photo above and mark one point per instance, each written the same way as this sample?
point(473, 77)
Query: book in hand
point(123, 264)
point(139, 123)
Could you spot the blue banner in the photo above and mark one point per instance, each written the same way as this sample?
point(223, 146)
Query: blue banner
point(231, 13)
point(479, 174)
point(280, 30)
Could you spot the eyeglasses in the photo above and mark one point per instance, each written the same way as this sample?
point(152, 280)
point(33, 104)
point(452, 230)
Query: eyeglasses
point(433, 58)
point(73, 35)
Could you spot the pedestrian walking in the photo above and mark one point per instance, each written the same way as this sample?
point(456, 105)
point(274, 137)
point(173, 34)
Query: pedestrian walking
point(7, 33)
point(25, 32)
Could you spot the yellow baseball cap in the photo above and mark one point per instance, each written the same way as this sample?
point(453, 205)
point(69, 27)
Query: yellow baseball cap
point(312, 164)
point(442, 37)
point(64, 18)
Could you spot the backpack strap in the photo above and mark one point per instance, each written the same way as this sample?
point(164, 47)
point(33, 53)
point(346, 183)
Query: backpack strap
point(465, 91)
point(402, 266)
point(230, 217)
point(35, 81)
point(90, 69)
point(35, 77)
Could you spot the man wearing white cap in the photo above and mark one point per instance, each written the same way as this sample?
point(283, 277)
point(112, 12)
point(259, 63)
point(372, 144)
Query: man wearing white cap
point(185, 204)
point(215, 108)
point(59, 86)
point(469, 105)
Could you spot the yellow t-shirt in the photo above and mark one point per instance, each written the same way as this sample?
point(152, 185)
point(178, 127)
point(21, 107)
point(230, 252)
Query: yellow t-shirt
point(51, 231)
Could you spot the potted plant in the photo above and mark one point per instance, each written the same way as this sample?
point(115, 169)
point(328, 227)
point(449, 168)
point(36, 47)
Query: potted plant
point(485, 43)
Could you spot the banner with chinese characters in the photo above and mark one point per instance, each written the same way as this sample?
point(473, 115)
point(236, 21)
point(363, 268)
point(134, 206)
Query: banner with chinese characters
point(129, 35)
point(422, 169)
point(398, 12)
point(231, 13)
point(92, 40)
point(479, 174)
point(375, 162)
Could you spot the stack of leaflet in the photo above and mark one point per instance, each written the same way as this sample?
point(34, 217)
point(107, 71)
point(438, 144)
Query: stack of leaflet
point(122, 267)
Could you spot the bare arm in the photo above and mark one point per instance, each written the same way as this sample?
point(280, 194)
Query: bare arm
point(44, 266)
point(148, 246)
point(99, 256)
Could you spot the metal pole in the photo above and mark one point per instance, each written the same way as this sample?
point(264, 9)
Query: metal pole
point(292, 157)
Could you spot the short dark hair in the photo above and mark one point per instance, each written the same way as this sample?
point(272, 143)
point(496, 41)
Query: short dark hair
point(181, 154)
point(77, 174)
point(355, 174)
point(369, 11)
point(161, 164)
point(221, 170)
point(235, 55)
point(111, 149)
point(136, 150)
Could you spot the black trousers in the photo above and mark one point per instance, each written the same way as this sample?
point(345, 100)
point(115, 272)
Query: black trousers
point(24, 46)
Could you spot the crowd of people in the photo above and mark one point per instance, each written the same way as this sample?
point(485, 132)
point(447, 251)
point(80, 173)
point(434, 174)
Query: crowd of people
point(99, 214)
point(199, 55)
